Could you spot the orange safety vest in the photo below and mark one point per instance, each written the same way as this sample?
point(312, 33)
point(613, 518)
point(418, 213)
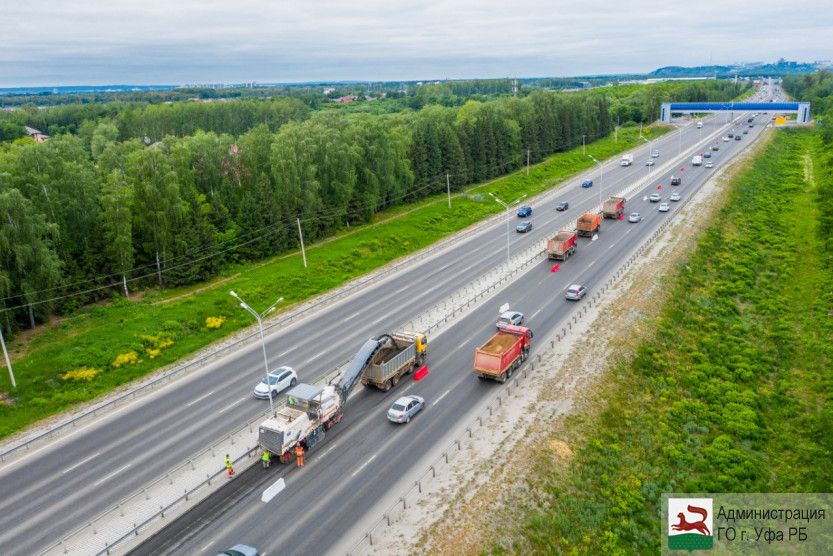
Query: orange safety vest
point(299, 451)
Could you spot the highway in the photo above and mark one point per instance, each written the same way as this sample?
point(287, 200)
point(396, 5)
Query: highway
point(60, 486)
point(364, 458)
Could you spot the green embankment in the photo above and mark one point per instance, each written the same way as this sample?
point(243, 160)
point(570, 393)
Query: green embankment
point(733, 392)
point(106, 346)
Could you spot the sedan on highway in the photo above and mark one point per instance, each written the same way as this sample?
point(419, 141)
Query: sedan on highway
point(707, 154)
point(709, 164)
point(664, 207)
point(575, 292)
point(514, 318)
point(649, 162)
point(715, 147)
point(725, 139)
point(738, 136)
point(676, 180)
point(655, 197)
point(563, 205)
point(634, 217)
point(404, 408)
point(523, 227)
point(239, 550)
point(675, 197)
point(525, 211)
point(279, 380)
point(655, 154)
point(587, 183)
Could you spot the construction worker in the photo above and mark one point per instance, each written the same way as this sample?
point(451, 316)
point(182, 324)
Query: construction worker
point(265, 458)
point(229, 468)
point(299, 454)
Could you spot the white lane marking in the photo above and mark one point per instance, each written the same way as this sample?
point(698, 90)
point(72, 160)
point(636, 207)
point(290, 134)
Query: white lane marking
point(206, 547)
point(535, 313)
point(116, 472)
point(327, 451)
point(232, 405)
point(441, 397)
point(365, 464)
point(201, 398)
point(592, 263)
point(629, 230)
point(80, 463)
point(612, 245)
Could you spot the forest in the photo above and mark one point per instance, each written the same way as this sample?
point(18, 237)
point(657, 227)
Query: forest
point(128, 195)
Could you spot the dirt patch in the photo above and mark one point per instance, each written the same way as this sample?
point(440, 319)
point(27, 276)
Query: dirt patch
point(482, 500)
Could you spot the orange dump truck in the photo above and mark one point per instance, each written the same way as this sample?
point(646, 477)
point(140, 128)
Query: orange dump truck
point(588, 224)
point(562, 245)
point(503, 353)
point(613, 207)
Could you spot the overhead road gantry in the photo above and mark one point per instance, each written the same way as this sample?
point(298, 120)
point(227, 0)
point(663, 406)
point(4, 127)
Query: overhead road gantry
point(800, 109)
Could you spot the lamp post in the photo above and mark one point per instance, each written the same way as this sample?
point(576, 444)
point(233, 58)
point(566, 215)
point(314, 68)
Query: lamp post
point(601, 178)
point(259, 318)
point(506, 206)
point(650, 157)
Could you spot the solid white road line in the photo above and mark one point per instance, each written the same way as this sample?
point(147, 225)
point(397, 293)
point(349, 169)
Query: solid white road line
point(201, 398)
point(80, 463)
point(241, 400)
point(441, 397)
point(116, 472)
point(365, 464)
point(534, 314)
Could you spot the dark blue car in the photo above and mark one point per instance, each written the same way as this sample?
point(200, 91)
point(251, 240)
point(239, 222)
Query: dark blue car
point(587, 183)
point(525, 211)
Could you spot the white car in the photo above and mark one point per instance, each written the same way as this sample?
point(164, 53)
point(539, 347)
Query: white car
point(635, 217)
point(513, 318)
point(725, 139)
point(675, 197)
point(655, 154)
point(279, 380)
point(655, 198)
point(649, 162)
point(709, 164)
point(664, 207)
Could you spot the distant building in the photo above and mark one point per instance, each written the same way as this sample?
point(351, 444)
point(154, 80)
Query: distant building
point(36, 134)
point(345, 99)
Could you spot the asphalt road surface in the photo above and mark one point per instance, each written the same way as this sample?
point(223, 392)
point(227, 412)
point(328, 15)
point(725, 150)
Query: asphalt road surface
point(364, 457)
point(63, 484)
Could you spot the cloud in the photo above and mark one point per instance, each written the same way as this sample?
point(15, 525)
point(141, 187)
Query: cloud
point(52, 42)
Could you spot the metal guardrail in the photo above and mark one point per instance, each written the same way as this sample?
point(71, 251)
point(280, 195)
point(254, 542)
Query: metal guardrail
point(395, 510)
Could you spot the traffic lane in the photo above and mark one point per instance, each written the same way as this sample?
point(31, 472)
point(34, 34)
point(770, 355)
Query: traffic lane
point(554, 308)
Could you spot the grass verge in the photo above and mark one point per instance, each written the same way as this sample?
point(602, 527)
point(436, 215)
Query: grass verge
point(732, 391)
point(105, 346)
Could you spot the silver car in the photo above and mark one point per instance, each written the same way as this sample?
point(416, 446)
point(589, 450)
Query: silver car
point(575, 292)
point(514, 318)
point(635, 217)
point(649, 162)
point(404, 408)
point(664, 207)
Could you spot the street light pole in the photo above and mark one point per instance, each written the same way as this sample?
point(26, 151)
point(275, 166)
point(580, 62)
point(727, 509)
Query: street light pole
point(259, 318)
point(6, 356)
point(507, 206)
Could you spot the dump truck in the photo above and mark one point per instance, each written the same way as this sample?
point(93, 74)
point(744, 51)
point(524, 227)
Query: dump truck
point(562, 245)
point(627, 160)
point(398, 355)
point(312, 410)
point(498, 358)
point(613, 207)
point(588, 224)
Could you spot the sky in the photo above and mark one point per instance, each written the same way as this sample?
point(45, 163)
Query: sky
point(89, 42)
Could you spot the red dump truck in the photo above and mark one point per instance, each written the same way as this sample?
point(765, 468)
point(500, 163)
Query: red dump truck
point(562, 245)
point(588, 224)
point(614, 207)
point(503, 353)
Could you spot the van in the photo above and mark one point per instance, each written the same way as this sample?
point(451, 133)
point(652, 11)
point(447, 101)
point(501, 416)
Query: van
point(699, 125)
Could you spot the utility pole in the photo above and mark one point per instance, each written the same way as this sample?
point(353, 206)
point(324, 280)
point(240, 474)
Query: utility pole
point(448, 188)
point(124, 283)
point(158, 268)
point(507, 206)
point(301, 235)
point(583, 146)
point(8, 361)
point(527, 162)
